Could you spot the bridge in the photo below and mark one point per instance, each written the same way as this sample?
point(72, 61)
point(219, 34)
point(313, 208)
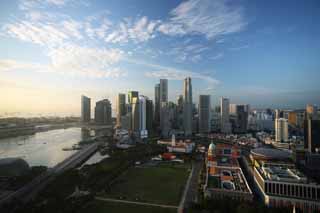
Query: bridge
point(30, 190)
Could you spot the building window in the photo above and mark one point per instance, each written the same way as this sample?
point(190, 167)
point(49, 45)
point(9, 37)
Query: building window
point(309, 192)
point(300, 190)
point(289, 190)
point(313, 193)
point(297, 191)
point(281, 189)
point(277, 188)
point(285, 189)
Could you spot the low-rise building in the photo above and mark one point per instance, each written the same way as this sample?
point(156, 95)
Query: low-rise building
point(224, 176)
point(281, 184)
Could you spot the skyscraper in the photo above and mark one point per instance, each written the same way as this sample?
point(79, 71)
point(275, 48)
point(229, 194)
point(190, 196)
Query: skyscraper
point(312, 135)
point(204, 113)
point(143, 133)
point(157, 104)
point(187, 108)
point(85, 109)
point(149, 106)
point(163, 102)
point(164, 90)
point(224, 112)
point(281, 127)
point(103, 112)
point(242, 118)
point(131, 95)
point(135, 117)
point(121, 108)
point(311, 111)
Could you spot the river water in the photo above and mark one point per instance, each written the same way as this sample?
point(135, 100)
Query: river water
point(42, 148)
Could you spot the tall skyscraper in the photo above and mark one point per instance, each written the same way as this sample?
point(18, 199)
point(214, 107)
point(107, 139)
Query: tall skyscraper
point(143, 117)
point(311, 112)
point(312, 135)
point(121, 108)
point(204, 113)
point(242, 118)
point(103, 112)
point(163, 102)
point(164, 90)
point(224, 113)
point(131, 95)
point(281, 127)
point(157, 104)
point(149, 106)
point(135, 117)
point(187, 106)
point(85, 109)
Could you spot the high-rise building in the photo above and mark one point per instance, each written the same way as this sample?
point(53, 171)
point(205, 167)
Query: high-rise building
point(163, 90)
point(143, 133)
point(149, 106)
point(163, 102)
point(204, 113)
point(121, 108)
point(224, 112)
point(131, 95)
point(187, 106)
point(85, 109)
point(312, 135)
point(281, 128)
point(233, 109)
point(135, 117)
point(242, 118)
point(179, 112)
point(103, 112)
point(292, 118)
point(157, 104)
point(311, 112)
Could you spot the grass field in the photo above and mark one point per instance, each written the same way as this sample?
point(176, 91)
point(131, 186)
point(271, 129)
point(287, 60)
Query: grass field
point(110, 207)
point(160, 184)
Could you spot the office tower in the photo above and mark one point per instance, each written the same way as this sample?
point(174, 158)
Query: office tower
point(163, 102)
point(224, 112)
point(179, 112)
point(311, 112)
point(85, 109)
point(281, 128)
point(121, 108)
point(157, 104)
point(242, 118)
point(292, 118)
point(131, 95)
point(135, 117)
point(233, 109)
point(149, 106)
point(279, 114)
point(102, 112)
point(163, 90)
point(187, 108)
point(312, 135)
point(204, 113)
point(143, 117)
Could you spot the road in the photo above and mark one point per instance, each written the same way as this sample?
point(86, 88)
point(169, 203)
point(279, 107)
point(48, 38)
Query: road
point(190, 194)
point(133, 202)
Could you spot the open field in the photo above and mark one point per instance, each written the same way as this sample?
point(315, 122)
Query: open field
point(111, 207)
point(163, 184)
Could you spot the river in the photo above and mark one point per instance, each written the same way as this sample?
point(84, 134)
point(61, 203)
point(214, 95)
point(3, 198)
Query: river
point(42, 148)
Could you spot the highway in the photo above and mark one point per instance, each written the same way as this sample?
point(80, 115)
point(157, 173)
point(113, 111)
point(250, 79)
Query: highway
point(30, 190)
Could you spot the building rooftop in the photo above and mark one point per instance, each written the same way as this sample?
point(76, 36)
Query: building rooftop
point(270, 153)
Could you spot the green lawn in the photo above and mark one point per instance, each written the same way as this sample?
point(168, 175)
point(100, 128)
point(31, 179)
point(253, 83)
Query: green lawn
point(110, 207)
point(160, 185)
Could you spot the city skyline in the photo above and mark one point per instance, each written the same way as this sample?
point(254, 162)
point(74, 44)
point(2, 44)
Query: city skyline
point(54, 51)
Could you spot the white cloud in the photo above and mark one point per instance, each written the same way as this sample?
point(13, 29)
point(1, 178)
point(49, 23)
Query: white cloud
point(140, 31)
point(206, 17)
point(217, 56)
point(75, 61)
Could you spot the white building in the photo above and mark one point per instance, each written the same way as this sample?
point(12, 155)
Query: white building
point(281, 128)
point(143, 116)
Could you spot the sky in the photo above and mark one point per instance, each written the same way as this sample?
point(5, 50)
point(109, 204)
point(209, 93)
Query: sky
point(264, 53)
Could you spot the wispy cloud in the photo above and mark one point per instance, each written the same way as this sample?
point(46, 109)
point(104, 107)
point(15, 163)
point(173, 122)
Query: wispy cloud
point(74, 61)
point(245, 46)
point(217, 56)
point(209, 18)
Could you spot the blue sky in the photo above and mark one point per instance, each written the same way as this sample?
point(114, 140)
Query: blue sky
point(265, 53)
